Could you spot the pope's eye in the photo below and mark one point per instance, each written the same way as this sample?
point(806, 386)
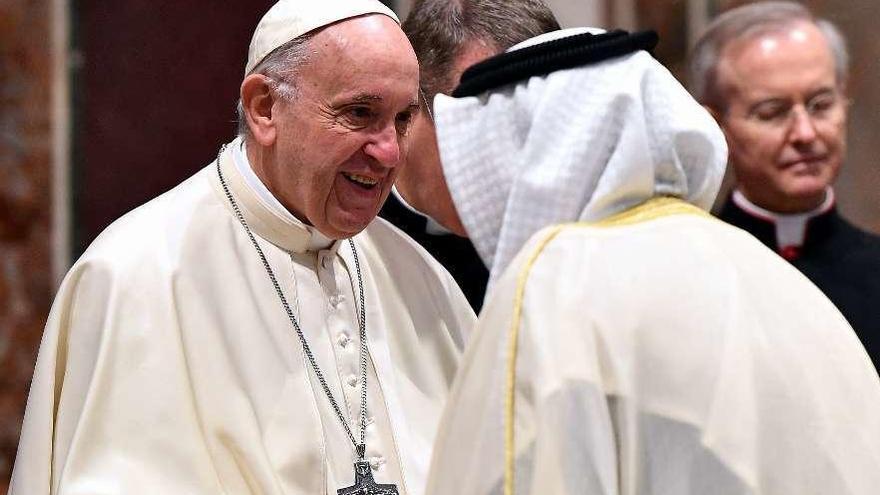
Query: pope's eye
point(361, 112)
point(359, 116)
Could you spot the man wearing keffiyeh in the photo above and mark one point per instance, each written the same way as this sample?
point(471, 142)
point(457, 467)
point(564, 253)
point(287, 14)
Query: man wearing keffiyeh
point(630, 343)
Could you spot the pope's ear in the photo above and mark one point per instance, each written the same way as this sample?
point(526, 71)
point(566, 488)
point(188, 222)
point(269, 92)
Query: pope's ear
point(257, 99)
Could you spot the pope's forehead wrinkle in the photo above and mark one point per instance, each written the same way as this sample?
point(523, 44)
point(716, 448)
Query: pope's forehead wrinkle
point(374, 98)
point(366, 98)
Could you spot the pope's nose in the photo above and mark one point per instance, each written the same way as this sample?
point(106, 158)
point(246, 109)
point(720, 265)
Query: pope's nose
point(384, 147)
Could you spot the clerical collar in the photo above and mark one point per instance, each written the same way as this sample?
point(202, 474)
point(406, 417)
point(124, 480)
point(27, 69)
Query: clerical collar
point(282, 230)
point(791, 229)
point(317, 240)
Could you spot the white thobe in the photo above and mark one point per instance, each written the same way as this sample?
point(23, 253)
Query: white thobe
point(168, 364)
point(662, 352)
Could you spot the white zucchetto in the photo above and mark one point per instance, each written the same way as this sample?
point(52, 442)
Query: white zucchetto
point(290, 19)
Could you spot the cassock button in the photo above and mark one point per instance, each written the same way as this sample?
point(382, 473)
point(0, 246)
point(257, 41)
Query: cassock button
point(352, 381)
point(334, 301)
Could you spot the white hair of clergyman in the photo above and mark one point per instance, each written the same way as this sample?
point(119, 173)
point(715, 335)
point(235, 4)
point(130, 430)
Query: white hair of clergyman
point(748, 22)
point(439, 29)
point(282, 66)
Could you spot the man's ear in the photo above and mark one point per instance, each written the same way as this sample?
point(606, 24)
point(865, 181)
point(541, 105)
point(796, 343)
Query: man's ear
point(719, 118)
point(843, 88)
point(258, 101)
point(714, 113)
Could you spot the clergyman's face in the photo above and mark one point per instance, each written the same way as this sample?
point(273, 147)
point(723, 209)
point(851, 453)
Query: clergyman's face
point(340, 139)
point(421, 182)
point(785, 117)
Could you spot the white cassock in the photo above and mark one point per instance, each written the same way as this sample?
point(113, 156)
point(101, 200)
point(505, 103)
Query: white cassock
point(630, 344)
point(169, 366)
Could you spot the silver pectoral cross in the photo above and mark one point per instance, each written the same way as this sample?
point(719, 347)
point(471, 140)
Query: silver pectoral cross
point(364, 483)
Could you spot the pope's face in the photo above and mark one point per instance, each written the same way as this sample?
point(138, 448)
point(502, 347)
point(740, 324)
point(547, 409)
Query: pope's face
point(785, 119)
point(340, 139)
point(422, 182)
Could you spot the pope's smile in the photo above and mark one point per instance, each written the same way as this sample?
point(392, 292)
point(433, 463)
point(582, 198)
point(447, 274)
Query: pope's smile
point(361, 180)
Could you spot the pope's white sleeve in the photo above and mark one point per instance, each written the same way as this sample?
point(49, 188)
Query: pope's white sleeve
point(110, 409)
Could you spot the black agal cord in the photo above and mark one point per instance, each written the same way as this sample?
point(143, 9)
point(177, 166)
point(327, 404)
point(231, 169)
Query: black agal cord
point(564, 53)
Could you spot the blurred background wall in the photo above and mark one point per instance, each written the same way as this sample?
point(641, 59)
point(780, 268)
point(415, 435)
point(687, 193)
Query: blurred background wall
point(26, 157)
point(104, 105)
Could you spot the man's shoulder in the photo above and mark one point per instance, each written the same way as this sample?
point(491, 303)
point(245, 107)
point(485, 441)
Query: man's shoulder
point(392, 242)
point(659, 268)
point(401, 262)
point(404, 258)
point(866, 242)
point(846, 260)
point(662, 227)
point(151, 229)
point(647, 249)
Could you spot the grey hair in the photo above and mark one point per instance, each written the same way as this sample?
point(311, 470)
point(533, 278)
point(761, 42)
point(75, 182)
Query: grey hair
point(282, 66)
point(749, 22)
point(439, 29)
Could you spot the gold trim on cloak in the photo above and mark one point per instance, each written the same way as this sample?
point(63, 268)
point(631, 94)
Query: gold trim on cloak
point(654, 208)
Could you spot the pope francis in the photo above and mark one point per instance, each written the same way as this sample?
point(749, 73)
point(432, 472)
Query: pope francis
point(254, 330)
point(630, 344)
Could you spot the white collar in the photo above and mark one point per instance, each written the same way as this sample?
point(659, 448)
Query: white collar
point(791, 228)
point(317, 240)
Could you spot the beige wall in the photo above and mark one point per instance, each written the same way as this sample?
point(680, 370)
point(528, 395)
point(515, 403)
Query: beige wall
point(859, 184)
point(569, 12)
point(580, 12)
point(26, 147)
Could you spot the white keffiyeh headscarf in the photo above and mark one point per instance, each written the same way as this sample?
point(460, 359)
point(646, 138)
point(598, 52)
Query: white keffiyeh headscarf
point(576, 144)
